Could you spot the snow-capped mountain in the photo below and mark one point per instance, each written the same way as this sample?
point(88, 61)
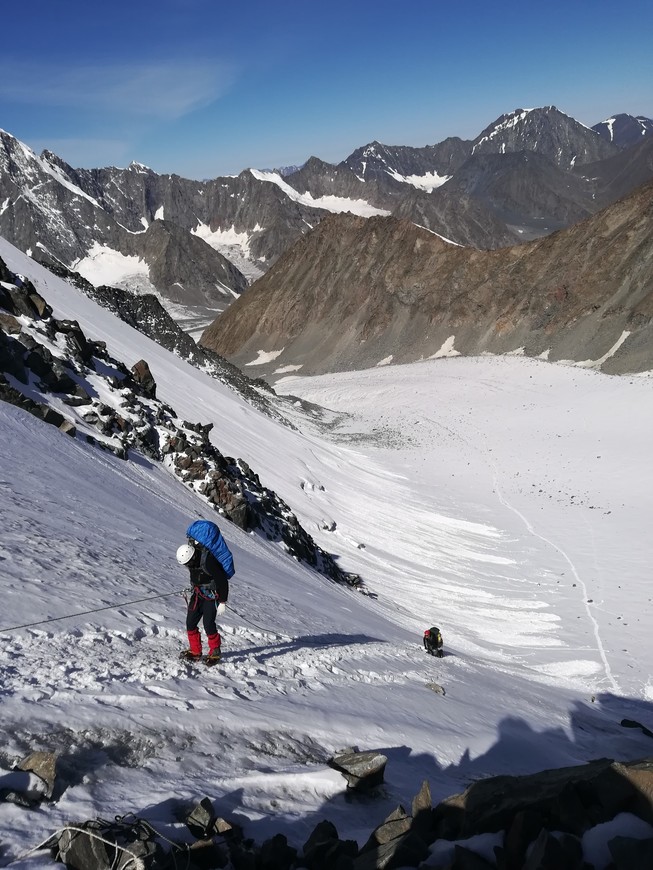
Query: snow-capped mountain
point(502, 499)
point(547, 131)
point(59, 216)
point(625, 130)
point(425, 168)
point(198, 244)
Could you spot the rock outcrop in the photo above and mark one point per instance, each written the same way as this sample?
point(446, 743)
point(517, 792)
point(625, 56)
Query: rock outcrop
point(52, 359)
point(540, 819)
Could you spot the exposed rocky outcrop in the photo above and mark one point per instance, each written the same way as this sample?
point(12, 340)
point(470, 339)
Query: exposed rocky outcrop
point(357, 292)
point(546, 131)
point(362, 770)
point(541, 819)
point(48, 367)
point(145, 313)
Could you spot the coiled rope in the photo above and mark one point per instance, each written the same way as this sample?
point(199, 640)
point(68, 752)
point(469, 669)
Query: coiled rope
point(134, 862)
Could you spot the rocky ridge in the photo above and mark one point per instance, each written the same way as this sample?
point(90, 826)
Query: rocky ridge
point(355, 293)
point(46, 211)
point(49, 368)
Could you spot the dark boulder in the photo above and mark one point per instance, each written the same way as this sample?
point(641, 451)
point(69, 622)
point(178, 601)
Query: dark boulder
point(628, 853)
point(143, 376)
point(98, 845)
point(362, 770)
point(201, 820)
point(406, 851)
point(276, 854)
point(569, 799)
point(325, 851)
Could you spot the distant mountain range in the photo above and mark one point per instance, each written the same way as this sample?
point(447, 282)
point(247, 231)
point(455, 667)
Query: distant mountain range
point(200, 243)
point(357, 293)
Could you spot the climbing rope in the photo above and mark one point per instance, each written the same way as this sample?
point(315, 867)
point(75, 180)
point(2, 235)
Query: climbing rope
point(134, 862)
point(260, 627)
point(95, 610)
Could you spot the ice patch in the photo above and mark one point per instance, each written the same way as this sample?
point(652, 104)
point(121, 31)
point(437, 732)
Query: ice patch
point(221, 238)
point(265, 357)
point(385, 361)
point(158, 214)
point(336, 204)
point(233, 245)
point(444, 238)
point(447, 349)
point(428, 181)
point(285, 369)
point(104, 265)
point(597, 363)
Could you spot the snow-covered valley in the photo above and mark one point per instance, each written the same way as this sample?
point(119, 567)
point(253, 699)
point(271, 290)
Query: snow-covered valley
point(505, 500)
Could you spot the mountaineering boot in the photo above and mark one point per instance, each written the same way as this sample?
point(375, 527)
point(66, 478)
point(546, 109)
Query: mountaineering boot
point(212, 658)
point(189, 656)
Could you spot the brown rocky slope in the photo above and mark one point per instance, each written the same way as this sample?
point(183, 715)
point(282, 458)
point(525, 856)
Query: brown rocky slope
point(355, 292)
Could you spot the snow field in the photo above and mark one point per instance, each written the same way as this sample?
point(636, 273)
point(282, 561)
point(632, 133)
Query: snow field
point(504, 500)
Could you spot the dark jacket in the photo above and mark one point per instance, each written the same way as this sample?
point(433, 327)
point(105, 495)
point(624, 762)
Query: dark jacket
point(205, 570)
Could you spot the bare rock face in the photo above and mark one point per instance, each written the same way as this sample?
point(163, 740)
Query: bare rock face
point(545, 130)
point(355, 292)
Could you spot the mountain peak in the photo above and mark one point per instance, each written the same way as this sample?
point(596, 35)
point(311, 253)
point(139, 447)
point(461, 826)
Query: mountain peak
point(547, 130)
point(624, 130)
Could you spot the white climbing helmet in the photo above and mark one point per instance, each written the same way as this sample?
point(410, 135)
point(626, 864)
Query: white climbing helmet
point(185, 553)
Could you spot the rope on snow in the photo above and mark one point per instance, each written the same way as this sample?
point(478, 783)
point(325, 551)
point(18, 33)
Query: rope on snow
point(133, 862)
point(95, 610)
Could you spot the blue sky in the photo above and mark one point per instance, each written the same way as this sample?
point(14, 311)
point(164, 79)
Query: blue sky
point(204, 88)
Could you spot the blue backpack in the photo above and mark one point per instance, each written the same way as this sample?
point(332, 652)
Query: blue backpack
point(208, 535)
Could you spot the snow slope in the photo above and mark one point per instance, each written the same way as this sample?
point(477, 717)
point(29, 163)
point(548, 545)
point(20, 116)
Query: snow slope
point(505, 500)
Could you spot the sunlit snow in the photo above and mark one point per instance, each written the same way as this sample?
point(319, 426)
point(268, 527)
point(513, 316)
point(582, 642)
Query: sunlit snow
point(265, 356)
point(104, 265)
point(233, 245)
point(329, 203)
point(447, 349)
point(428, 181)
point(506, 500)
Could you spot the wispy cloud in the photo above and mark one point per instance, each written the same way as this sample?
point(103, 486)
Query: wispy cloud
point(164, 91)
